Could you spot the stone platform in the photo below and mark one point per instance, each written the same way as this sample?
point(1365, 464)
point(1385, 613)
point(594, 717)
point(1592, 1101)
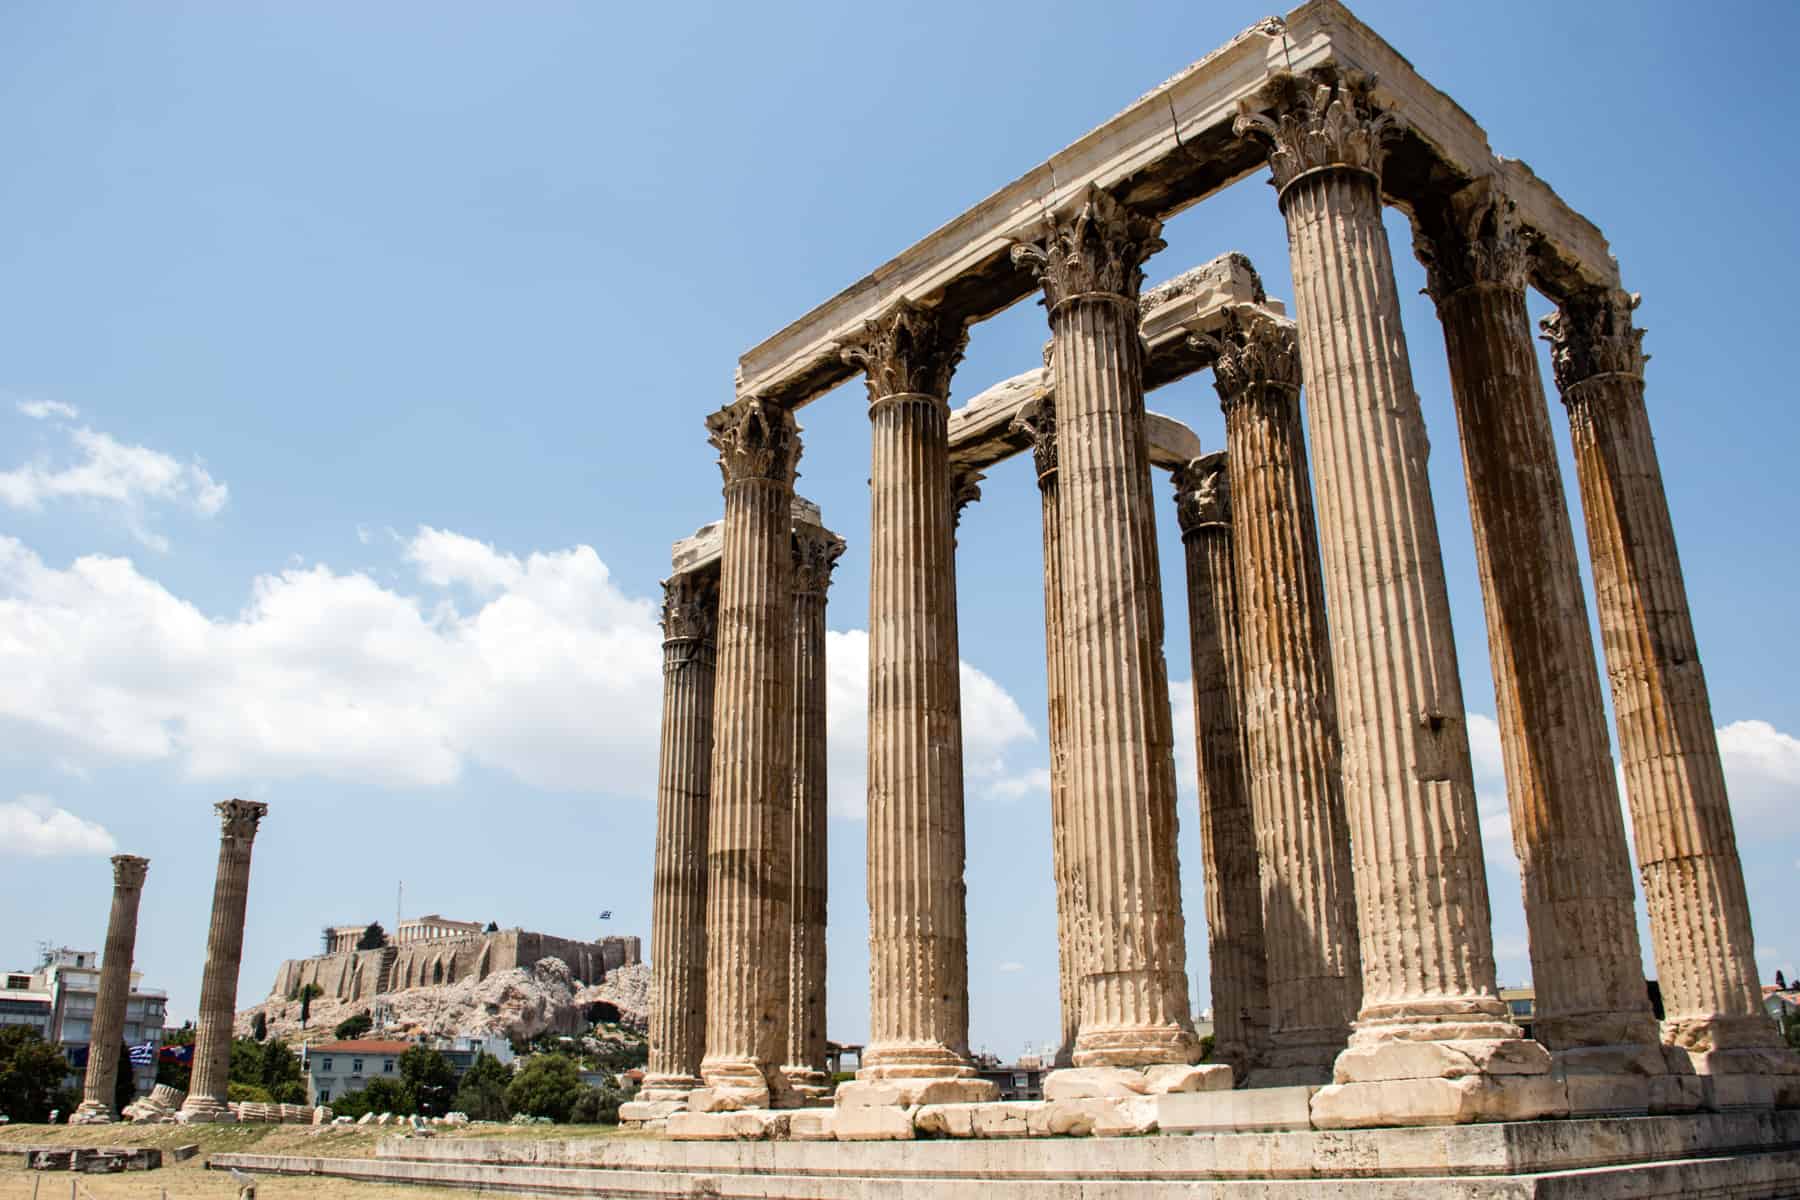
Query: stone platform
point(1743, 1156)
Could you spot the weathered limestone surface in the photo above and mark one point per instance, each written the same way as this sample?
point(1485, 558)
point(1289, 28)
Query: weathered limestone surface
point(1668, 750)
point(1039, 422)
point(115, 990)
point(1290, 726)
point(678, 901)
point(1568, 831)
point(1121, 768)
point(750, 829)
point(918, 942)
point(206, 1099)
point(1427, 945)
point(1236, 951)
point(816, 551)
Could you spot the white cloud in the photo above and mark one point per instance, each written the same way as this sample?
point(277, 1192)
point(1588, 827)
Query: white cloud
point(39, 410)
point(1490, 794)
point(1762, 769)
point(105, 471)
point(993, 728)
point(446, 558)
point(34, 828)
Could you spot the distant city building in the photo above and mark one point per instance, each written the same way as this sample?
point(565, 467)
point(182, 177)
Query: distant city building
point(1521, 1005)
point(1022, 1080)
point(58, 998)
point(1781, 1003)
point(340, 1068)
point(433, 927)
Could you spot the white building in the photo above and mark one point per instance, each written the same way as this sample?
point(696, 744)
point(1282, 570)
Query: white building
point(69, 981)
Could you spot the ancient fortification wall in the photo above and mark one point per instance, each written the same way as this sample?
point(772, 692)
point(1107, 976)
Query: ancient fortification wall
point(364, 974)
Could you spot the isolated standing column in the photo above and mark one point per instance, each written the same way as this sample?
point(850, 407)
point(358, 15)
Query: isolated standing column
point(1121, 766)
point(103, 1064)
point(678, 899)
point(1236, 949)
point(750, 829)
point(207, 1099)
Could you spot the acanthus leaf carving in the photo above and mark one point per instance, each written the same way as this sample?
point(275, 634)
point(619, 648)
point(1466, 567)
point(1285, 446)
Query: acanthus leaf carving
point(129, 871)
point(1255, 353)
point(1475, 238)
point(1202, 493)
point(238, 819)
point(1037, 421)
point(816, 551)
point(690, 609)
point(1593, 334)
point(1097, 250)
point(909, 350)
point(756, 439)
point(1325, 118)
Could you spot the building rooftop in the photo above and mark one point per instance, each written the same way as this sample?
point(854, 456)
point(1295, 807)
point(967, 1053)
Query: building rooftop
point(361, 1046)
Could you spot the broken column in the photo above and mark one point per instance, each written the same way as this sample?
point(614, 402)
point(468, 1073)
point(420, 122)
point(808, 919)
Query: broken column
point(1290, 727)
point(1121, 766)
point(678, 898)
point(1236, 951)
point(750, 828)
point(1592, 1008)
point(1668, 749)
point(107, 1029)
point(816, 551)
point(207, 1099)
point(1433, 1042)
point(918, 1048)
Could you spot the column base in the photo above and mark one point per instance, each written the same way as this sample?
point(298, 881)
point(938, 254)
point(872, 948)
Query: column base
point(810, 1085)
point(1748, 1077)
point(1136, 1046)
point(898, 1092)
point(204, 1110)
point(1383, 1078)
point(667, 1087)
point(93, 1112)
point(1123, 1083)
point(1626, 1079)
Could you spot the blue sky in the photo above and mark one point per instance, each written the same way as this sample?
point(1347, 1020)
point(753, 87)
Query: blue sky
point(354, 360)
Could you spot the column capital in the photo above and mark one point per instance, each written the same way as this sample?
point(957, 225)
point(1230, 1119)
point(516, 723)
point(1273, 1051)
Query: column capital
point(1038, 422)
point(816, 551)
point(239, 818)
point(1256, 353)
point(1095, 251)
point(129, 871)
point(1324, 120)
point(690, 610)
point(909, 351)
point(1472, 239)
point(965, 489)
point(1591, 334)
point(1202, 493)
point(756, 439)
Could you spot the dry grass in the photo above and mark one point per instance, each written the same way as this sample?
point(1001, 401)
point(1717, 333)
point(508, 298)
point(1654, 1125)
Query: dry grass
point(191, 1181)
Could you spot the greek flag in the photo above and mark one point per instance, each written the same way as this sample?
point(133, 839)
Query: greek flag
point(607, 915)
point(143, 1055)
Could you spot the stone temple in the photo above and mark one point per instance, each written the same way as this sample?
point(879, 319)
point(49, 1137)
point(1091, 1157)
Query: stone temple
point(1361, 1043)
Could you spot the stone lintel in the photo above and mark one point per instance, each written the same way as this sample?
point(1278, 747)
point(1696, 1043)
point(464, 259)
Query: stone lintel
point(701, 550)
point(1170, 149)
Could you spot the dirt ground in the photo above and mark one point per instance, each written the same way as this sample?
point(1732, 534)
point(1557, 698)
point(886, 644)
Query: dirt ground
point(191, 1181)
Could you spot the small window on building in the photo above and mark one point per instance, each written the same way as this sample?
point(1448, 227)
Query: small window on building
point(325, 1064)
point(1020, 1081)
point(387, 1066)
point(324, 1095)
point(1520, 1008)
point(356, 1066)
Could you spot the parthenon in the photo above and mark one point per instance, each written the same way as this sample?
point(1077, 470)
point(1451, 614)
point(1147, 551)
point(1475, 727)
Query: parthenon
point(1347, 912)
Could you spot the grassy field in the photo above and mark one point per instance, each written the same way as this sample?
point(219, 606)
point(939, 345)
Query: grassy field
point(191, 1181)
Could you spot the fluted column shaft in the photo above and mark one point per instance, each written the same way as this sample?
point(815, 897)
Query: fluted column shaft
point(1040, 423)
point(1236, 950)
point(1121, 768)
point(683, 794)
point(1422, 903)
point(1668, 750)
point(918, 939)
point(1309, 909)
point(815, 552)
point(108, 1026)
point(750, 825)
point(1568, 831)
point(207, 1099)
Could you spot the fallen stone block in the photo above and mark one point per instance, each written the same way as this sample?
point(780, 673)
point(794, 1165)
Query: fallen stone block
point(1066, 1118)
point(749, 1125)
point(1198, 1077)
point(647, 1110)
point(719, 1100)
point(1094, 1083)
point(1244, 1110)
point(1404, 1060)
point(1126, 1117)
point(872, 1123)
point(812, 1125)
point(183, 1153)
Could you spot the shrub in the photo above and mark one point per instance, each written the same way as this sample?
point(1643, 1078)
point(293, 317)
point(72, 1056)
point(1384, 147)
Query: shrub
point(482, 1092)
point(430, 1078)
point(547, 1086)
point(377, 1096)
point(31, 1075)
point(251, 1092)
point(353, 1027)
point(597, 1105)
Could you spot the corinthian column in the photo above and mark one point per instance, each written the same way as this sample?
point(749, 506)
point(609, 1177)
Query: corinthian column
point(816, 551)
point(1593, 1010)
point(749, 838)
point(1309, 907)
point(1121, 766)
point(206, 1098)
point(115, 989)
point(1039, 423)
point(1429, 1008)
point(1680, 816)
point(918, 942)
point(678, 898)
point(1236, 948)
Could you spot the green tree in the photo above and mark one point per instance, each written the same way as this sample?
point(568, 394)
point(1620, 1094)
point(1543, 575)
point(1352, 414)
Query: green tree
point(306, 998)
point(353, 1027)
point(598, 1105)
point(124, 1084)
point(174, 1074)
point(430, 1078)
point(1790, 1029)
point(482, 1092)
point(373, 938)
point(251, 1093)
point(259, 1026)
point(31, 1072)
point(547, 1086)
point(279, 1073)
point(377, 1096)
